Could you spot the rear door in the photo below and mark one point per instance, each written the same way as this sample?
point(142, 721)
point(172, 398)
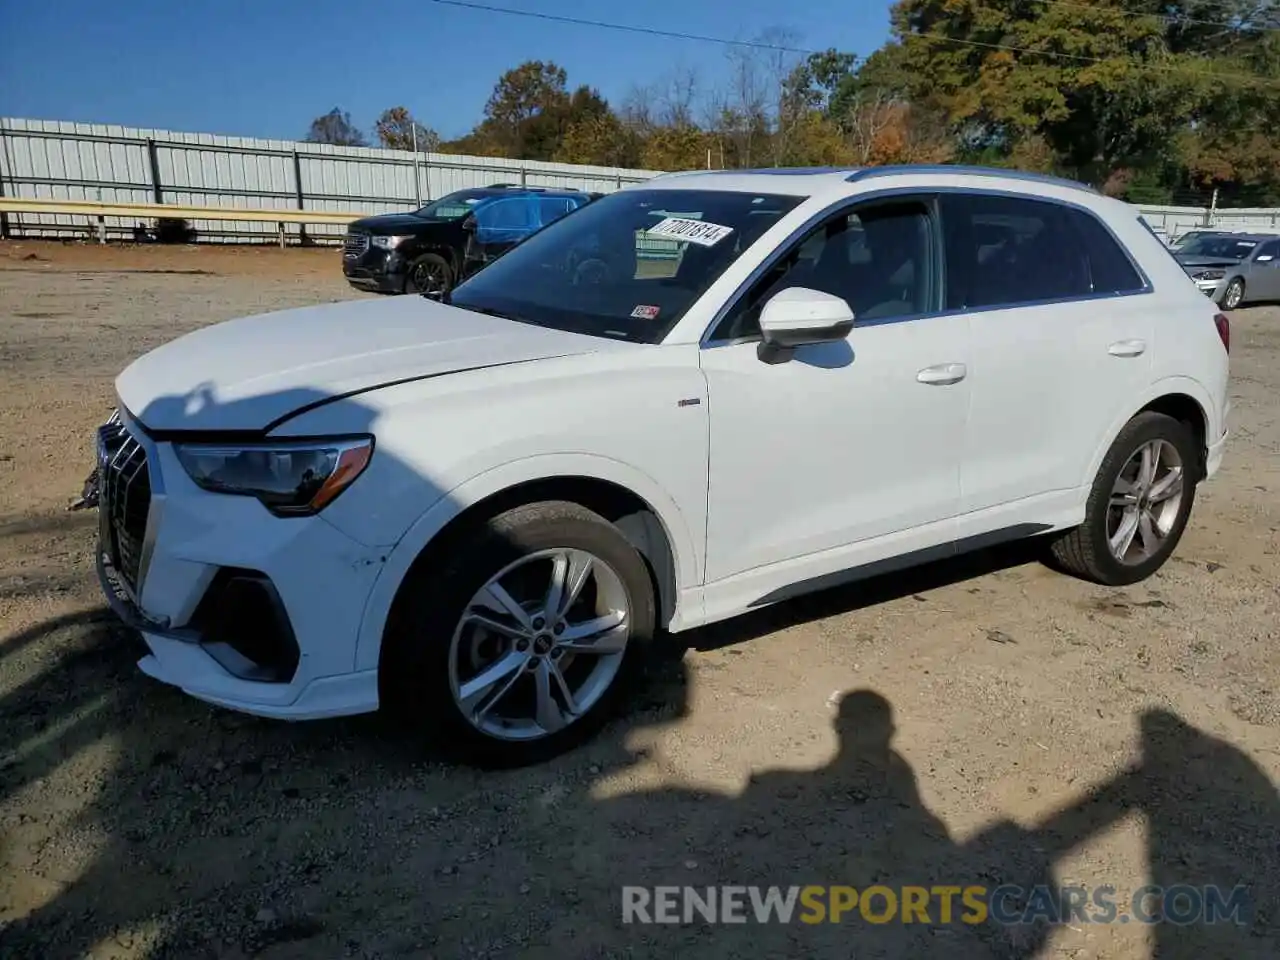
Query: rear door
point(504, 222)
point(1060, 339)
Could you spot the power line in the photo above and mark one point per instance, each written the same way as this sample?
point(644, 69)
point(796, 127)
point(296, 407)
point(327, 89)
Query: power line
point(785, 48)
point(628, 28)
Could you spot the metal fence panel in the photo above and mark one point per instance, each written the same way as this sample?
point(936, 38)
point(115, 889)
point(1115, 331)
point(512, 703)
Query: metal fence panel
point(62, 159)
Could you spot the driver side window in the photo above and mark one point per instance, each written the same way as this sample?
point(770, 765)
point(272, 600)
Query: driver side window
point(877, 258)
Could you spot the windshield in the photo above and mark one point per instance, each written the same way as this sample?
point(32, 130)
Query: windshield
point(455, 206)
point(626, 266)
point(1228, 248)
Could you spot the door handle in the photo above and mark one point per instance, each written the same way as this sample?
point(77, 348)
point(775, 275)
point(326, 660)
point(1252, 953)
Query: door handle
point(944, 374)
point(1127, 348)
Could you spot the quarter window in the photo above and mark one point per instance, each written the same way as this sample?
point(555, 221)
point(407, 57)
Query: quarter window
point(1002, 251)
point(876, 258)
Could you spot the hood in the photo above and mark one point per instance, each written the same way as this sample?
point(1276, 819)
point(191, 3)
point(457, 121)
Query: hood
point(1191, 261)
point(247, 374)
point(392, 224)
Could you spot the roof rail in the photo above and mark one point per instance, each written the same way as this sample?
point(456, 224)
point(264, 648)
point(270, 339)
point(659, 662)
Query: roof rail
point(896, 170)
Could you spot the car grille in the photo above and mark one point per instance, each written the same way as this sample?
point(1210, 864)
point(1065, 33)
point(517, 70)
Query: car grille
point(355, 244)
point(124, 485)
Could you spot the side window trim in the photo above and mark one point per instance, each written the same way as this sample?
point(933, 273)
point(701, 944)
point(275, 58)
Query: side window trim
point(798, 237)
point(907, 193)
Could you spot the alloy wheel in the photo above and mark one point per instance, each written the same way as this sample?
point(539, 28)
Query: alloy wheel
point(539, 644)
point(1145, 500)
point(429, 279)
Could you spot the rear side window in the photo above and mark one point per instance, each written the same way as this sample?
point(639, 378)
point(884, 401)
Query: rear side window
point(1110, 268)
point(553, 208)
point(1003, 251)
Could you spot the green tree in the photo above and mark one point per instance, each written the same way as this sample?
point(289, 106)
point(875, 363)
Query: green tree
point(336, 127)
point(396, 130)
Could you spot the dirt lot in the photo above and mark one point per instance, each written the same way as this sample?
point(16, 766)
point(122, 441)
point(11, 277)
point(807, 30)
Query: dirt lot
point(1043, 730)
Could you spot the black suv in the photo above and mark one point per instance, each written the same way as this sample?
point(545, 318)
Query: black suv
point(431, 250)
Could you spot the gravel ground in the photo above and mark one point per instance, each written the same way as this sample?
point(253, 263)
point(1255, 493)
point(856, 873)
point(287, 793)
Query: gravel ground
point(975, 722)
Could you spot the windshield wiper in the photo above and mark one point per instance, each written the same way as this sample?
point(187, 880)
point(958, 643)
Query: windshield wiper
point(487, 311)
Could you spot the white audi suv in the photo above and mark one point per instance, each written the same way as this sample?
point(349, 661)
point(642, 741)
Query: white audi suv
point(694, 397)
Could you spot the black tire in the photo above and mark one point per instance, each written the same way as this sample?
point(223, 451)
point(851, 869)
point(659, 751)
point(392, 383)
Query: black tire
point(428, 265)
point(1233, 296)
point(1084, 551)
point(414, 680)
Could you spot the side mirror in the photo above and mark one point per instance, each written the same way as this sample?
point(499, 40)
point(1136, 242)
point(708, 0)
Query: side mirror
point(469, 223)
point(799, 316)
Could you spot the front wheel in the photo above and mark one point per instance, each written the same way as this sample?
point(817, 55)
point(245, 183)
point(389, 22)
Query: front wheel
point(1138, 506)
point(526, 641)
point(428, 275)
point(1233, 296)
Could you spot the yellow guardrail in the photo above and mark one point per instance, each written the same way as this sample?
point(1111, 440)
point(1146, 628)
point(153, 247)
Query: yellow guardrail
point(136, 211)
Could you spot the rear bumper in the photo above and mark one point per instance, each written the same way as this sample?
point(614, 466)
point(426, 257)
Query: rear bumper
point(1214, 453)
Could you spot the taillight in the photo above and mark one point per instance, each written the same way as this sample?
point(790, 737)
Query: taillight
point(1224, 330)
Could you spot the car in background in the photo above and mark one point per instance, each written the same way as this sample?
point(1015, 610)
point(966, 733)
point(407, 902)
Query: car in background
point(1232, 268)
point(1178, 242)
point(432, 250)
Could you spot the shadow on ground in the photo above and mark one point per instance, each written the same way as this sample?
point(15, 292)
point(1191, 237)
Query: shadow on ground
point(216, 835)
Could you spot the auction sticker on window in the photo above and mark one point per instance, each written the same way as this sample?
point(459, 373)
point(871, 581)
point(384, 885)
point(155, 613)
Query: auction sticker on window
point(645, 311)
point(695, 231)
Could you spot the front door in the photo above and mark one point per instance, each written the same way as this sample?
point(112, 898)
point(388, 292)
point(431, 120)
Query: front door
point(850, 451)
point(1264, 277)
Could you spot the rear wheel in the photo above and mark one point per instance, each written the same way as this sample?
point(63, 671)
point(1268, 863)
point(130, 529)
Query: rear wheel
point(1138, 506)
point(526, 641)
point(1233, 296)
point(429, 275)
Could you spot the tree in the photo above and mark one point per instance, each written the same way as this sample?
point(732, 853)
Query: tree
point(527, 111)
point(396, 130)
point(600, 139)
point(336, 127)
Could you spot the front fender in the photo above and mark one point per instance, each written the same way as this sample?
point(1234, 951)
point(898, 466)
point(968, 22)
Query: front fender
point(434, 519)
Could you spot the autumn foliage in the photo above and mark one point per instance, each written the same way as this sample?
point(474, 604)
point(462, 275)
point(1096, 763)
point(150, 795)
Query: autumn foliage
point(1147, 99)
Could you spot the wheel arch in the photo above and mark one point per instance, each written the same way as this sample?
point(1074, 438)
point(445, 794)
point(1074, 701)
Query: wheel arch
point(444, 251)
point(1183, 399)
point(643, 513)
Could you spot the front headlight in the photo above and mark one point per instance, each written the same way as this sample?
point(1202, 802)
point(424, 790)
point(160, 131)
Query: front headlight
point(1210, 274)
point(388, 243)
point(289, 478)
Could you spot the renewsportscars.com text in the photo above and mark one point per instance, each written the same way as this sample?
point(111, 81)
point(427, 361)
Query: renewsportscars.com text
point(939, 904)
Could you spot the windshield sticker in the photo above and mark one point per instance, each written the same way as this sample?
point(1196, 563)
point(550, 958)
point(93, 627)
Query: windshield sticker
point(645, 311)
point(702, 233)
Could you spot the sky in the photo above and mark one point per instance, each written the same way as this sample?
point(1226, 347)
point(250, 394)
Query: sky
point(267, 68)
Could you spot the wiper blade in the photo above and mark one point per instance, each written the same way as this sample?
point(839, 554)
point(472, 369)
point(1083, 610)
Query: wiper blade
point(487, 311)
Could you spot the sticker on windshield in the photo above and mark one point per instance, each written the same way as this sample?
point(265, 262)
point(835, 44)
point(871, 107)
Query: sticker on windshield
point(701, 232)
point(645, 311)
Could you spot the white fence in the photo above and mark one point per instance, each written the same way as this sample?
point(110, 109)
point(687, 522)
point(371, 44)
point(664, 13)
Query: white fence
point(78, 161)
point(1172, 222)
point(49, 159)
